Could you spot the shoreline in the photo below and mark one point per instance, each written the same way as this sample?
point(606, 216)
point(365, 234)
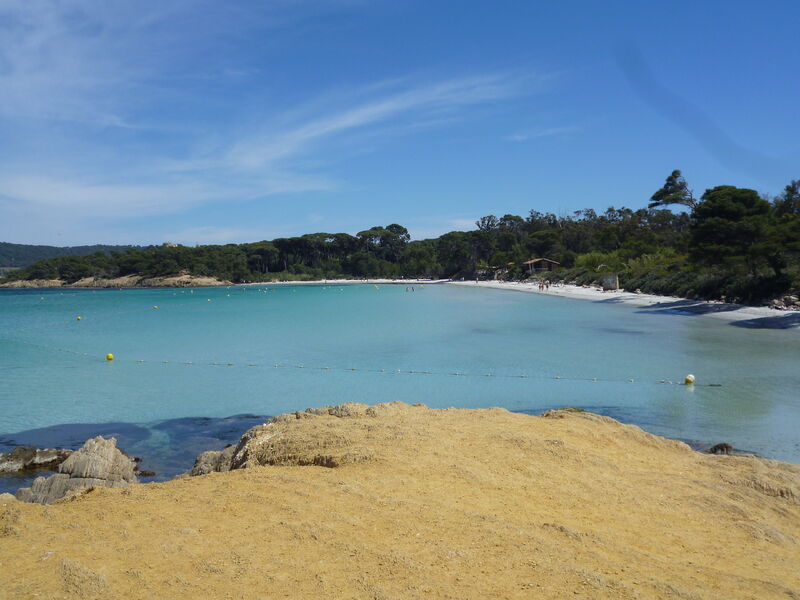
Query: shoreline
point(350, 282)
point(757, 317)
point(191, 435)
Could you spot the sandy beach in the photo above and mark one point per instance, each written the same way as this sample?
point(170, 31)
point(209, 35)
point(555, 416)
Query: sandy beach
point(756, 316)
point(399, 501)
point(353, 282)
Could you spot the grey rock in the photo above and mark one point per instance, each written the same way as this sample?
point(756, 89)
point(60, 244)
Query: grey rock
point(213, 461)
point(723, 448)
point(97, 464)
point(26, 458)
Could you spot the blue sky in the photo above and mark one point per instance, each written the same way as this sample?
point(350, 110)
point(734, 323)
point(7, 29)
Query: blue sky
point(215, 122)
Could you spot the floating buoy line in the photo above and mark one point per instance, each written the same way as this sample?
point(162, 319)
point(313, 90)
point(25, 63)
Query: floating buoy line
point(238, 290)
point(109, 357)
point(189, 300)
point(688, 380)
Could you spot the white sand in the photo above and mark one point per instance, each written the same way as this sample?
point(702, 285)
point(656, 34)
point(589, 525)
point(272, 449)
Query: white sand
point(774, 319)
point(352, 282)
point(729, 312)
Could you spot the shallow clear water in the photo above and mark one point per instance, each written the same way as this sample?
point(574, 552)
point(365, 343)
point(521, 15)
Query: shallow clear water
point(53, 371)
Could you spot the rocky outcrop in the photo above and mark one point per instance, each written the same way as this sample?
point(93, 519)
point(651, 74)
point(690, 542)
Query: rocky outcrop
point(32, 283)
point(284, 440)
point(28, 458)
point(135, 281)
point(454, 503)
point(183, 280)
point(786, 302)
point(213, 461)
point(723, 448)
point(99, 463)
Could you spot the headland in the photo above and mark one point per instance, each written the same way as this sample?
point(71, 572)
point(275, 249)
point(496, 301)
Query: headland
point(399, 501)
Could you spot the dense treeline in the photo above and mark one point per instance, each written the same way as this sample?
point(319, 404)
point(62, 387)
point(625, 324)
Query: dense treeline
point(731, 242)
point(22, 255)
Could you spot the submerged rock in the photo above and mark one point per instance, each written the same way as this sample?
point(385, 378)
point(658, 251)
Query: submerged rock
point(98, 463)
point(27, 458)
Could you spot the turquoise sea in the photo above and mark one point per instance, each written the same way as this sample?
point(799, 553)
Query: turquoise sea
point(211, 353)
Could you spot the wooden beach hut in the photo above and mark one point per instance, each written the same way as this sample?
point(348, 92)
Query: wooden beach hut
point(538, 265)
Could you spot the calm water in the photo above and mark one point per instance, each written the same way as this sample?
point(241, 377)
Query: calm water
point(53, 371)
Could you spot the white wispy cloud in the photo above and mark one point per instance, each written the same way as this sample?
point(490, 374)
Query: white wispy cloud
point(103, 200)
point(251, 166)
point(60, 60)
point(97, 61)
point(532, 134)
point(420, 101)
point(91, 96)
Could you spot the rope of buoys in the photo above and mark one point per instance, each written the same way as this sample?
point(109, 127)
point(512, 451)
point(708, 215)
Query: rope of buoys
point(53, 321)
point(109, 357)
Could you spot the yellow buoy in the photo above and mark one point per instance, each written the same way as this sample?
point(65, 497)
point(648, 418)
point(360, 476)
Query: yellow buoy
point(155, 308)
point(77, 318)
point(689, 379)
point(109, 356)
point(209, 299)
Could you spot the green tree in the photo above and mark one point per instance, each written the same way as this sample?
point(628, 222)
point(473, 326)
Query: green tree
point(261, 256)
point(732, 227)
point(788, 203)
point(488, 223)
point(674, 191)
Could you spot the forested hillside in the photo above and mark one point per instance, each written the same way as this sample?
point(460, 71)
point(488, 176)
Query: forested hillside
point(22, 255)
point(730, 242)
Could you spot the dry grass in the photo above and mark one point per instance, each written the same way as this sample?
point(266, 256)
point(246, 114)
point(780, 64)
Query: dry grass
point(425, 503)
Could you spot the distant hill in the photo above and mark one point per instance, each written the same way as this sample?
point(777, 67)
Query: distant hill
point(22, 255)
